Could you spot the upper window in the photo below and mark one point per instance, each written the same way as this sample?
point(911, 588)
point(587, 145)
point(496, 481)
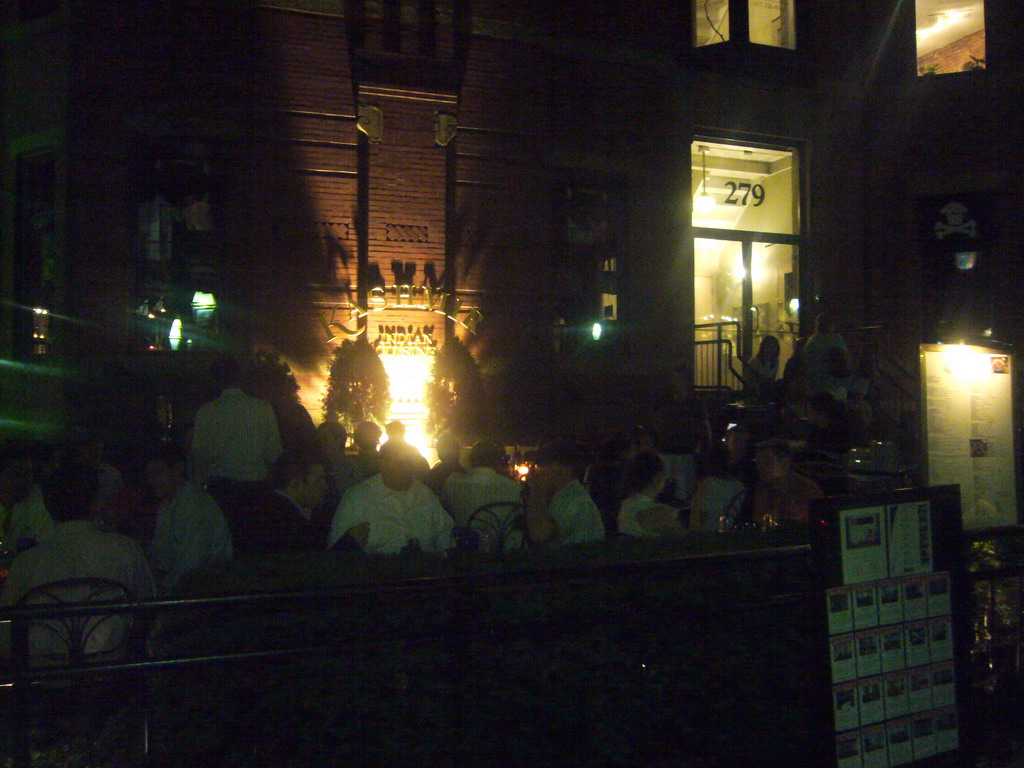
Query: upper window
point(950, 36)
point(767, 22)
point(37, 253)
point(176, 246)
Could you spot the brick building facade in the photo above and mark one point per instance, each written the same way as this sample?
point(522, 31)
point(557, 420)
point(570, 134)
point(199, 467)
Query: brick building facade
point(511, 172)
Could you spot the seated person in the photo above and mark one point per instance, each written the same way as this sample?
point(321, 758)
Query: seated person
point(396, 434)
point(780, 495)
point(285, 518)
point(448, 450)
point(190, 529)
point(77, 548)
point(24, 519)
point(726, 490)
point(559, 509)
point(764, 368)
point(366, 437)
point(640, 513)
point(467, 492)
point(396, 507)
point(830, 430)
point(605, 477)
point(343, 473)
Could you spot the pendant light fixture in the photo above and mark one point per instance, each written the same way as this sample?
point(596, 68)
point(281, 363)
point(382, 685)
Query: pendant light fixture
point(704, 203)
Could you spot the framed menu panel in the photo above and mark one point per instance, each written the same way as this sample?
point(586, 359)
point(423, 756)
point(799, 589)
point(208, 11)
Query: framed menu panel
point(892, 612)
point(967, 396)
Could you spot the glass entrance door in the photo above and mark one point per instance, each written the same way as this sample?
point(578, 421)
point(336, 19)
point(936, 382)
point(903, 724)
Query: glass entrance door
point(745, 223)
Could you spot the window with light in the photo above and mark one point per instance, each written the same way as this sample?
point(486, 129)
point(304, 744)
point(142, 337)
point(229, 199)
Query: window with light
point(950, 36)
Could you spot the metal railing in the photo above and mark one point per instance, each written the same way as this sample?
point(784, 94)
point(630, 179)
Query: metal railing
point(995, 619)
point(458, 597)
point(714, 364)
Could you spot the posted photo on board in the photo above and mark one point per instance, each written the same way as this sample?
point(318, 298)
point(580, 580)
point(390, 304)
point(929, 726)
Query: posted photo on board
point(901, 748)
point(844, 704)
point(938, 594)
point(844, 664)
point(890, 602)
point(865, 606)
point(895, 688)
point(840, 612)
point(862, 537)
point(909, 538)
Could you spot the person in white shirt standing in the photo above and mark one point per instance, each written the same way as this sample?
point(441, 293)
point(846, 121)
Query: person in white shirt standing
point(190, 528)
point(235, 440)
point(399, 510)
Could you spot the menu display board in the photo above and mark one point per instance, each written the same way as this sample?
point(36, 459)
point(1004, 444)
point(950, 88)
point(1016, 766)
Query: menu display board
point(967, 400)
point(889, 563)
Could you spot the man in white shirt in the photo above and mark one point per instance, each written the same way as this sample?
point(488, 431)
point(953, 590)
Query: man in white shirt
point(190, 528)
point(23, 515)
point(235, 436)
point(78, 548)
point(466, 492)
point(235, 439)
point(399, 510)
point(560, 511)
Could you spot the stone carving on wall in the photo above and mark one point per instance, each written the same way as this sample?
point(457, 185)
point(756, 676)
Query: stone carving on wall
point(370, 120)
point(445, 126)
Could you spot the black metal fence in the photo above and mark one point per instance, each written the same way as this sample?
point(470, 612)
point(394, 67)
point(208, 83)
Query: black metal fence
point(698, 660)
point(596, 660)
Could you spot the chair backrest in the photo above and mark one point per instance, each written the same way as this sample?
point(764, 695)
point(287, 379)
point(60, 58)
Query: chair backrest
point(499, 525)
point(722, 497)
point(79, 638)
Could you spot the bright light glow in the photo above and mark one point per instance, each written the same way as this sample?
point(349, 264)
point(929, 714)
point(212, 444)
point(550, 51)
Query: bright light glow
point(202, 300)
point(596, 331)
point(794, 306)
point(174, 336)
point(407, 377)
point(741, 271)
point(41, 311)
point(966, 363)
point(704, 203)
point(948, 19)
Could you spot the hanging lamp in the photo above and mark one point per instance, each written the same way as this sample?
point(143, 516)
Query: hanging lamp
point(704, 203)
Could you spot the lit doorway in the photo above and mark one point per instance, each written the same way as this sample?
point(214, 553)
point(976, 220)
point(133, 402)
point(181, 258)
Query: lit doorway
point(746, 243)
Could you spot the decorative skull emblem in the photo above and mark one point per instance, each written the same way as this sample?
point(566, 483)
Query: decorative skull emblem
point(955, 214)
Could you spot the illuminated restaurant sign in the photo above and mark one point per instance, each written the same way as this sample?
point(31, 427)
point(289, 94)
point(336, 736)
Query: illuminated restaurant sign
point(405, 340)
point(405, 297)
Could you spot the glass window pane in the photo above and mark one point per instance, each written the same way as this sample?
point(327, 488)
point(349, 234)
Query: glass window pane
point(772, 22)
point(950, 36)
point(710, 22)
point(748, 188)
point(718, 308)
point(774, 291)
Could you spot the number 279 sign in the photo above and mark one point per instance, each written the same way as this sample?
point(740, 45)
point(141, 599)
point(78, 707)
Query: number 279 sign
point(741, 193)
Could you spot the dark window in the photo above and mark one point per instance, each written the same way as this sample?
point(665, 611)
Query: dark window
point(176, 217)
point(36, 256)
point(35, 9)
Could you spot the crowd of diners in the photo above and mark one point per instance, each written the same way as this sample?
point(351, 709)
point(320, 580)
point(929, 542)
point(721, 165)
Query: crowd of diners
point(257, 477)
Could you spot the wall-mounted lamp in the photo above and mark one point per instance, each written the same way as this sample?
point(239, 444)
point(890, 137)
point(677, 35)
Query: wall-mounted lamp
point(704, 203)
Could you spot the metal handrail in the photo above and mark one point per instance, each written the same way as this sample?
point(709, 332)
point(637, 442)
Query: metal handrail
point(460, 586)
point(723, 362)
